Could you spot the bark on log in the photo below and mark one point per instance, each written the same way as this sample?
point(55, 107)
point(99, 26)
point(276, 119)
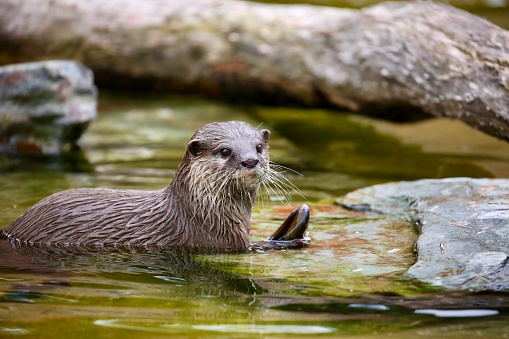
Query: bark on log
point(420, 56)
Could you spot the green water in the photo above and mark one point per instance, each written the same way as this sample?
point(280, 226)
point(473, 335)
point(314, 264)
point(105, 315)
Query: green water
point(347, 283)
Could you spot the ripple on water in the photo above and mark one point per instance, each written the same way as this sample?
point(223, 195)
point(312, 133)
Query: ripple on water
point(468, 313)
point(161, 326)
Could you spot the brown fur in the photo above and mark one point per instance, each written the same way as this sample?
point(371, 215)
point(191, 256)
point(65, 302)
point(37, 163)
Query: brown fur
point(207, 205)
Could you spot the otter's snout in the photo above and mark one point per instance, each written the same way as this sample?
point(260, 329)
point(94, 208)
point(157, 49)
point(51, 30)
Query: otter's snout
point(249, 163)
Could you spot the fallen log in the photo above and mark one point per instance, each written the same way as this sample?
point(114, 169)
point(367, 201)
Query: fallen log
point(392, 59)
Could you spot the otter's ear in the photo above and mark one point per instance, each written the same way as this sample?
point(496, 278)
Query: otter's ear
point(194, 146)
point(265, 134)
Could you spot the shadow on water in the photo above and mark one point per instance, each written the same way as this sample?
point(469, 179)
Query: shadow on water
point(338, 143)
point(338, 153)
point(71, 161)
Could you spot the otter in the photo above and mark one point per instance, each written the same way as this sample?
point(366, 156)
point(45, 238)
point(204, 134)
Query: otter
point(207, 205)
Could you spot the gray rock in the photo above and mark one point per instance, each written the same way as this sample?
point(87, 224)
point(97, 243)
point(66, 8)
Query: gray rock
point(45, 105)
point(463, 225)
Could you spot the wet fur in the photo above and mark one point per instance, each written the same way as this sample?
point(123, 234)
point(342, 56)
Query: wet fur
point(207, 205)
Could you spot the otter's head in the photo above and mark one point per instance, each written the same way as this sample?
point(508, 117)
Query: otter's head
point(226, 153)
point(215, 186)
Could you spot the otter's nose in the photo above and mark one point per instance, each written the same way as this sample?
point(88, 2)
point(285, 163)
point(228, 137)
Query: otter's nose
point(249, 163)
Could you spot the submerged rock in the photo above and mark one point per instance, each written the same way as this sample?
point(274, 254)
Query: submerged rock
point(463, 224)
point(44, 106)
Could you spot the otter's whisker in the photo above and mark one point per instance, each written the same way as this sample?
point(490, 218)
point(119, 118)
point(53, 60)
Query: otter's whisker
point(268, 193)
point(270, 186)
point(215, 203)
point(274, 165)
point(284, 181)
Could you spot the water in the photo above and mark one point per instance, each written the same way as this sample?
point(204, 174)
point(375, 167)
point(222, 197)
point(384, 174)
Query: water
point(346, 284)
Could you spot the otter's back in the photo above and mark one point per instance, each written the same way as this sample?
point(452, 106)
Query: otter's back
point(91, 215)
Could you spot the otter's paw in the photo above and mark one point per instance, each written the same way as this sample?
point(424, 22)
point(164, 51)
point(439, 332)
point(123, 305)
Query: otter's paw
point(292, 232)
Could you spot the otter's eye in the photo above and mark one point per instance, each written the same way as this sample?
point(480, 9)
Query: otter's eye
point(225, 152)
point(259, 148)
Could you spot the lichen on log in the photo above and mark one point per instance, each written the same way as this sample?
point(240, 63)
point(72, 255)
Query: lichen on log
point(389, 59)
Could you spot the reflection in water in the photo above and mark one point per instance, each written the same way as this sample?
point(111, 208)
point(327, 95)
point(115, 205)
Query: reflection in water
point(331, 147)
point(176, 291)
point(74, 161)
point(175, 266)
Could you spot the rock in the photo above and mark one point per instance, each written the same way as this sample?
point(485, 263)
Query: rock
point(44, 106)
point(463, 224)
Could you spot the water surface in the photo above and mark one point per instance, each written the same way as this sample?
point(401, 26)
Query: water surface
point(347, 283)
